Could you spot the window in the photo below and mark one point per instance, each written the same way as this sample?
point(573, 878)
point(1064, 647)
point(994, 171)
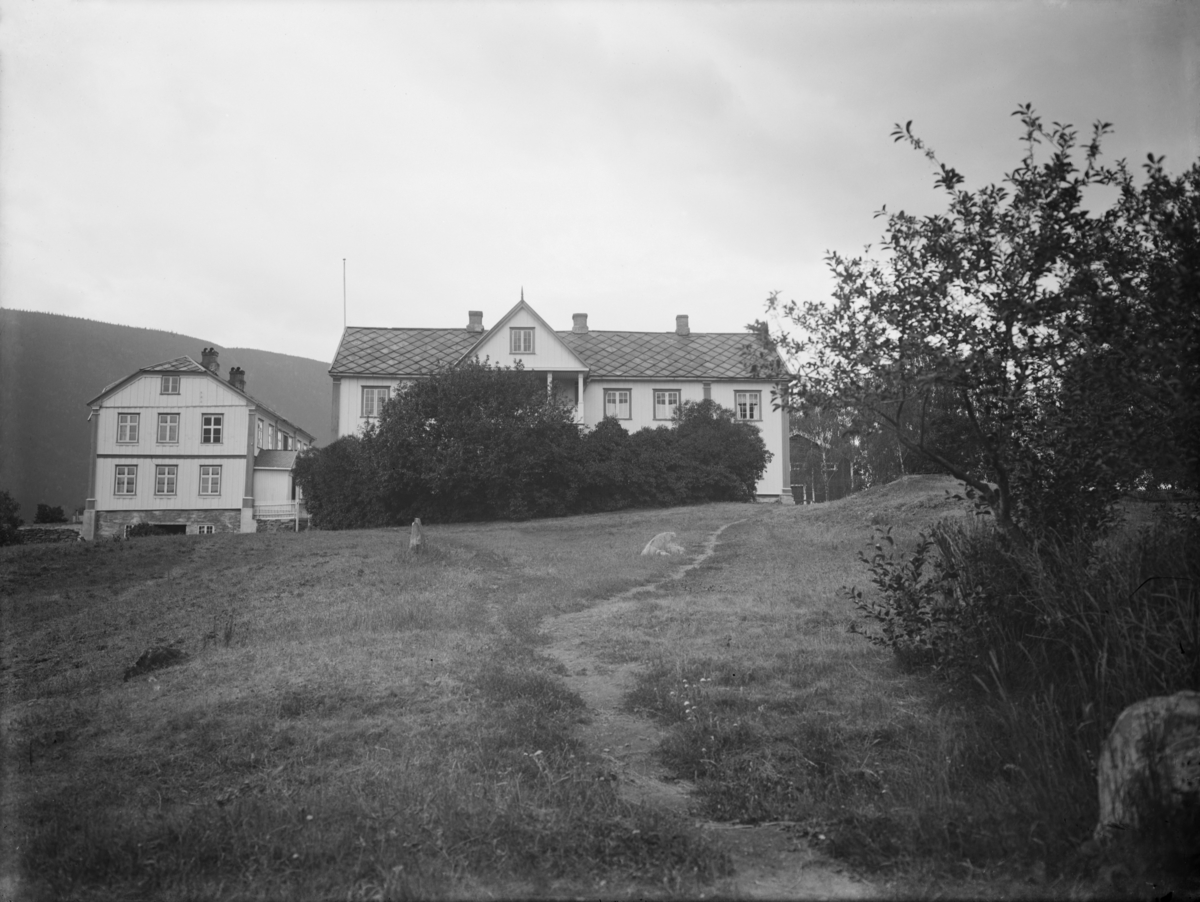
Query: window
point(170, 385)
point(211, 426)
point(665, 404)
point(164, 479)
point(270, 436)
point(210, 480)
point(168, 428)
point(285, 441)
point(374, 397)
point(258, 435)
point(520, 341)
point(746, 405)
point(126, 481)
point(205, 529)
point(127, 427)
point(616, 403)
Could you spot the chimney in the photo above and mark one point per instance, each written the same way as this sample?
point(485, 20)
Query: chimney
point(681, 325)
point(475, 320)
point(237, 378)
point(580, 327)
point(208, 359)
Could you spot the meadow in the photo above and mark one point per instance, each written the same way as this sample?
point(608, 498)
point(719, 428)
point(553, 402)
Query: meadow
point(357, 722)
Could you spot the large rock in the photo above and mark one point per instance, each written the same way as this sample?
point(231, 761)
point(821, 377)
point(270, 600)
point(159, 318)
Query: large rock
point(663, 543)
point(1149, 766)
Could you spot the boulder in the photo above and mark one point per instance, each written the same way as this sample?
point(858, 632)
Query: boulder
point(1149, 768)
point(416, 541)
point(664, 544)
point(155, 658)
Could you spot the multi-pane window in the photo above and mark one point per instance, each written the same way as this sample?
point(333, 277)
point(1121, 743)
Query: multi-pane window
point(666, 402)
point(747, 405)
point(285, 441)
point(616, 403)
point(258, 434)
point(168, 428)
point(373, 399)
point(270, 436)
point(205, 529)
point(170, 385)
point(127, 427)
point(165, 479)
point(211, 427)
point(126, 481)
point(210, 480)
point(520, 341)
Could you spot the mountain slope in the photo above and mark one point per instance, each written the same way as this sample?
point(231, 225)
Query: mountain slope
point(52, 365)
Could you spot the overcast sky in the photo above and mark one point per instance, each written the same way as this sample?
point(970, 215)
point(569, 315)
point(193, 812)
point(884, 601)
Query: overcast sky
point(204, 167)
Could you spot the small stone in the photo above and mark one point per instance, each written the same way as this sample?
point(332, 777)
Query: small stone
point(155, 658)
point(662, 544)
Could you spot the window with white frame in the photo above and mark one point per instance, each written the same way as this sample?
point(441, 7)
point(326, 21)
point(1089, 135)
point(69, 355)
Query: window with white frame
point(520, 340)
point(212, 425)
point(205, 529)
point(170, 385)
point(373, 399)
point(616, 403)
point(666, 402)
point(270, 436)
point(210, 480)
point(165, 478)
point(126, 482)
point(747, 405)
point(168, 428)
point(285, 441)
point(258, 434)
point(127, 427)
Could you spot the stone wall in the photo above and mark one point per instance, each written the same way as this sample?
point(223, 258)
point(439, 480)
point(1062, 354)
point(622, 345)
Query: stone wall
point(281, 525)
point(35, 535)
point(113, 523)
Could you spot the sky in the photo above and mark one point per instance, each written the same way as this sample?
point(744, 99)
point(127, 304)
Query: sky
point(205, 166)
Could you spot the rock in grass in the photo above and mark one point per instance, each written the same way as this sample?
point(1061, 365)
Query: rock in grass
point(1149, 769)
point(155, 658)
point(663, 543)
point(416, 542)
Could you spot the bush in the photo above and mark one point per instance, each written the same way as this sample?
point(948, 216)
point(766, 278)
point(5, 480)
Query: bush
point(477, 442)
point(48, 514)
point(10, 523)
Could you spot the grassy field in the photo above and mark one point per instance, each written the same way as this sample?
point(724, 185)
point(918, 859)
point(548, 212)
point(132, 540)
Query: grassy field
point(353, 721)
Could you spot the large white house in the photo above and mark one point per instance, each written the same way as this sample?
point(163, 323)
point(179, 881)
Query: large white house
point(176, 446)
point(637, 377)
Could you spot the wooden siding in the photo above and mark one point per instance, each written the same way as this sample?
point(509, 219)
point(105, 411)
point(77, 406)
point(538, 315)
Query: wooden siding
point(197, 396)
point(349, 407)
point(187, 487)
point(272, 487)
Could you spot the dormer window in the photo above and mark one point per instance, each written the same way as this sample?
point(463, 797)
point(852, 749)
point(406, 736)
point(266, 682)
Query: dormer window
point(520, 341)
point(170, 385)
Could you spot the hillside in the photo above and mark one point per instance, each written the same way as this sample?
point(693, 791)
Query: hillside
point(52, 365)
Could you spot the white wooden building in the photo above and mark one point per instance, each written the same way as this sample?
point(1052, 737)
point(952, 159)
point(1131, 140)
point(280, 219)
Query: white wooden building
point(637, 377)
point(177, 446)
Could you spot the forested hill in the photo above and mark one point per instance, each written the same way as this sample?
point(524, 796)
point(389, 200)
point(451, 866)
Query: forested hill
point(52, 365)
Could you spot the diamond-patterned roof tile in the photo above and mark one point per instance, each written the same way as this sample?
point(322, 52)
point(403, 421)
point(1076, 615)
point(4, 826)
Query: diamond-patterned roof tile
point(399, 351)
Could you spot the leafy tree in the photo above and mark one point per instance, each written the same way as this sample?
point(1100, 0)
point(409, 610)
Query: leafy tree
point(1064, 342)
point(341, 485)
point(10, 523)
point(48, 514)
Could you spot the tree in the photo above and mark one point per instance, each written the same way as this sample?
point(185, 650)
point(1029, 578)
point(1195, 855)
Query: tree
point(10, 523)
point(1065, 341)
point(48, 514)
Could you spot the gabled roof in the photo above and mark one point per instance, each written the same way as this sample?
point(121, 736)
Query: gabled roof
point(504, 320)
point(274, 460)
point(662, 355)
point(399, 352)
point(188, 365)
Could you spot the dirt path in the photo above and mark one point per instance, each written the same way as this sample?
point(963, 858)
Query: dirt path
point(769, 863)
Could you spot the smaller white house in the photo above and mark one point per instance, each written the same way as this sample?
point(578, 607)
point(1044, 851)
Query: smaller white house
point(177, 446)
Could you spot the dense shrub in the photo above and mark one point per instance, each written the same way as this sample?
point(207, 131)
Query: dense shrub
point(341, 490)
point(10, 523)
point(476, 442)
point(48, 514)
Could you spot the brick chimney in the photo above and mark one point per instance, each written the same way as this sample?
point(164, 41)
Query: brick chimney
point(474, 320)
point(580, 327)
point(208, 359)
point(237, 378)
point(681, 325)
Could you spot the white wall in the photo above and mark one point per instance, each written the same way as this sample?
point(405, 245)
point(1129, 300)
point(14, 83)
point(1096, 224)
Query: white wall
point(272, 487)
point(198, 395)
point(549, 353)
point(187, 488)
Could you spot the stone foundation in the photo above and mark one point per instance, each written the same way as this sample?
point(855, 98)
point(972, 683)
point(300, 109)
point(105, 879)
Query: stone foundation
point(113, 523)
point(280, 525)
